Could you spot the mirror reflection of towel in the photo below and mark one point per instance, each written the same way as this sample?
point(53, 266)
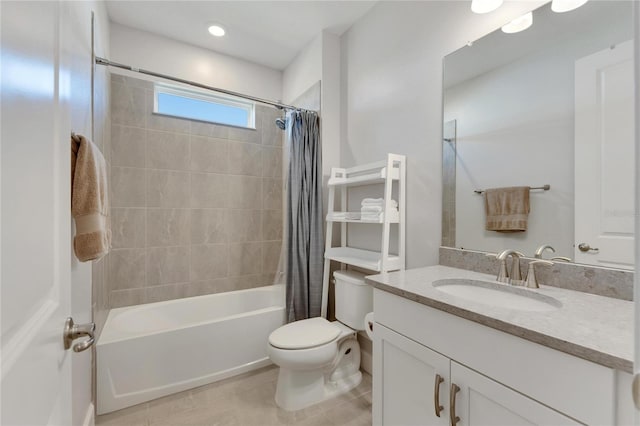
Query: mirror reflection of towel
point(507, 209)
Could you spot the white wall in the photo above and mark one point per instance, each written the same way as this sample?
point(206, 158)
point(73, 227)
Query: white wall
point(392, 98)
point(303, 72)
point(166, 56)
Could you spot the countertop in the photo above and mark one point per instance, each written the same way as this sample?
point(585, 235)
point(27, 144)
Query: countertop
point(595, 328)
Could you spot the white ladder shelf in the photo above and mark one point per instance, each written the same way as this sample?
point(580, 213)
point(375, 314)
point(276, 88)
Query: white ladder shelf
point(386, 172)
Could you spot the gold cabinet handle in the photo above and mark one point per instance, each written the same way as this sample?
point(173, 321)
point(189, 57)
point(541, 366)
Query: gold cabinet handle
point(436, 395)
point(452, 398)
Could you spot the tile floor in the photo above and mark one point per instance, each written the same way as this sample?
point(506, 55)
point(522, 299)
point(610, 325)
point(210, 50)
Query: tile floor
point(244, 400)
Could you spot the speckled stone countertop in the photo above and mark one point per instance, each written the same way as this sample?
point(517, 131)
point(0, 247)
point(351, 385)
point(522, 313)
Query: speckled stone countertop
point(595, 328)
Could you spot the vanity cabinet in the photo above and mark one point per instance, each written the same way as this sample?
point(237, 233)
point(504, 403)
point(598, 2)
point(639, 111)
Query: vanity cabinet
point(415, 385)
point(502, 379)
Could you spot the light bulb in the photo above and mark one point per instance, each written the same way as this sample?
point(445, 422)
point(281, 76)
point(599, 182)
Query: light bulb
point(561, 6)
point(216, 30)
point(485, 6)
point(519, 24)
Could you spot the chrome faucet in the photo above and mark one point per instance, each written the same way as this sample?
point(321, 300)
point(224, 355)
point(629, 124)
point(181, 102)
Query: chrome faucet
point(515, 277)
point(532, 280)
point(541, 250)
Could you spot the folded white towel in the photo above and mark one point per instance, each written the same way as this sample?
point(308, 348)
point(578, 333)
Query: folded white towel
point(371, 209)
point(370, 216)
point(377, 202)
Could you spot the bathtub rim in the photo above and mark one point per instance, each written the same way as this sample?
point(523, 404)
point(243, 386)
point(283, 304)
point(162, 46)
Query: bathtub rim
point(102, 340)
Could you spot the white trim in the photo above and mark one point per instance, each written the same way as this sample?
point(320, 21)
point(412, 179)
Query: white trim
point(89, 418)
point(206, 96)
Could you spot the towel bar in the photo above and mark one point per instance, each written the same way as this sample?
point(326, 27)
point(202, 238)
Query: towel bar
point(544, 187)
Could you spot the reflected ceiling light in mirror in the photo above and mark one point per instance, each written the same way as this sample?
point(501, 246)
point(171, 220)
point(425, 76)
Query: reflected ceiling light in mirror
point(485, 6)
point(561, 6)
point(216, 30)
point(519, 24)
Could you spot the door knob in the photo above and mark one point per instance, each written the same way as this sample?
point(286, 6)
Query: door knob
point(74, 331)
point(584, 247)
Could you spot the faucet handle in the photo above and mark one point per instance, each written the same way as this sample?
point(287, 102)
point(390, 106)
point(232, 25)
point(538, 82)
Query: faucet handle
point(493, 255)
point(532, 281)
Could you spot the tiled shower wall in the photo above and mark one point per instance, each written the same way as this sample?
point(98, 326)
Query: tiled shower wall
point(196, 207)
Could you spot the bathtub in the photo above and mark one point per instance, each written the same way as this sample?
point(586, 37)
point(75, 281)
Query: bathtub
point(153, 350)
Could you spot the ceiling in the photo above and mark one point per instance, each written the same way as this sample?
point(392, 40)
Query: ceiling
point(270, 33)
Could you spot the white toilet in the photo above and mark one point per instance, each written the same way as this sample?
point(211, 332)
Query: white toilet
point(319, 359)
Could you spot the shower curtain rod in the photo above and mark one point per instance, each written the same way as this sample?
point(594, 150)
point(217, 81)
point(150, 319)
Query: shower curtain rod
point(106, 62)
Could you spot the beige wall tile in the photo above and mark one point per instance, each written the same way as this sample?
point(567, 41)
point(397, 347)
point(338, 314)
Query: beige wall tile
point(208, 262)
point(272, 194)
point(209, 226)
point(127, 187)
point(209, 190)
point(166, 150)
point(160, 293)
point(245, 259)
point(271, 255)
point(210, 130)
point(245, 192)
point(167, 188)
point(243, 282)
point(166, 265)
point(126, 268)
point(120, 298)
point(244, 225)
point(244, 135)
point(128, 105)
point(128, 146)
point(271, 134)
point(199, 288)
point(168, 227)
point(271, 161)
point(245, 159)
point(272, 225)
point(128, 227)
point(209, 154)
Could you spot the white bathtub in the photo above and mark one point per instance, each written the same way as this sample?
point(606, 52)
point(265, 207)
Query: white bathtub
point(153, 350)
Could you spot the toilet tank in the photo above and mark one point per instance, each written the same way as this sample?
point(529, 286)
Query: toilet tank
point(354, 298)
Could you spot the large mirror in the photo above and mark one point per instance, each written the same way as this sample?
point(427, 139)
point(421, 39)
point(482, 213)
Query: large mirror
point(550, 108)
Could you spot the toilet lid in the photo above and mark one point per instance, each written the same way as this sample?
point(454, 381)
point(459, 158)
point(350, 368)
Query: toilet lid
point(304, 334)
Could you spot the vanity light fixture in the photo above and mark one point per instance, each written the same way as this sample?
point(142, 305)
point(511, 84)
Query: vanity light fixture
point(485, 6)
point(560, 6)
point(216, 30)
point(519, 24)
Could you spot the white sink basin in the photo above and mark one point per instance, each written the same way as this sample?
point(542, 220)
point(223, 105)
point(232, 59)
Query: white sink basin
point(498, 295)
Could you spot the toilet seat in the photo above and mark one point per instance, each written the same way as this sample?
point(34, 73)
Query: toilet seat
point(304, 334)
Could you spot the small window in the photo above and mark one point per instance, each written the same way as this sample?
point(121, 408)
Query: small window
point(203, 106)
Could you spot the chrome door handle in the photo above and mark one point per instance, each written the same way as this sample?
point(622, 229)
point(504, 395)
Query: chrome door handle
point(584, 247)
point(74, 331)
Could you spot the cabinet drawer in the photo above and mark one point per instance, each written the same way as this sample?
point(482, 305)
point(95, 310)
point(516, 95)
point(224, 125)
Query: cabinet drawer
point(579, 388)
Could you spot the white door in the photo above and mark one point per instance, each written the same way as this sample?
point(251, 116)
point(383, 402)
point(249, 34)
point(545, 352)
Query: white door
point(481, 401)
point(35, 218)
point(410, 381)
point(604, 158)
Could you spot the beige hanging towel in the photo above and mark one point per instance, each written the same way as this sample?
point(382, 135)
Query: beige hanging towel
point(89, 200)
point(507, 209)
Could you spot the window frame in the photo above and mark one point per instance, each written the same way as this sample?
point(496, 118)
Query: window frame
point(206, 96)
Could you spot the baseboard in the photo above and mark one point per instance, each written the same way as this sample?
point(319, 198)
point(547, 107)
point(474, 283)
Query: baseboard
point(90, 419)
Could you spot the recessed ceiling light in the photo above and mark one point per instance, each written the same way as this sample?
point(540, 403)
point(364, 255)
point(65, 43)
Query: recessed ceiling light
point(485, 6)
point(519, 24)
point(560, 6)
point(216, 30)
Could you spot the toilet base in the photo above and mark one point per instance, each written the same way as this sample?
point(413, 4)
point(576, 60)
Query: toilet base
point(300, 389)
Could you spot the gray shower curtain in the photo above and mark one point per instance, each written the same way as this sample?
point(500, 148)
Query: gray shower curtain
point(304, 239)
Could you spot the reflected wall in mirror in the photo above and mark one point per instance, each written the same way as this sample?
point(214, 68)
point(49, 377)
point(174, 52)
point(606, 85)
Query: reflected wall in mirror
point(552, 105)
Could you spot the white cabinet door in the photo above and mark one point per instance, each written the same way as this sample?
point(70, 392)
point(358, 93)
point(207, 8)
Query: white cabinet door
point(481, 401)
point(604, 158)
point(405, 374)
